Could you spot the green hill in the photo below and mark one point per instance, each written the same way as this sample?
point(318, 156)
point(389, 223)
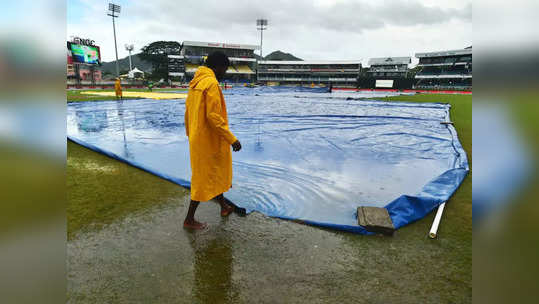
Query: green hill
point(281, 56)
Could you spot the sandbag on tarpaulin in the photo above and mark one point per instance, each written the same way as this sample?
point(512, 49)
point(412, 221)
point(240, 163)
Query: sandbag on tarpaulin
point(309, 159)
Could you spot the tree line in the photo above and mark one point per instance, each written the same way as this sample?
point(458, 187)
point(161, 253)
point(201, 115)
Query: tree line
point(156, 53)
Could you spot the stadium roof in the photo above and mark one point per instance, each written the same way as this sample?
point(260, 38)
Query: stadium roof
point(310, 62)
point(390, 60)
point(221, 45)
point(466, 51)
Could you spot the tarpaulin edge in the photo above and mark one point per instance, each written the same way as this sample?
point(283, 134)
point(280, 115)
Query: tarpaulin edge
point(186, 184)
point(135, 164)
point(407, 209)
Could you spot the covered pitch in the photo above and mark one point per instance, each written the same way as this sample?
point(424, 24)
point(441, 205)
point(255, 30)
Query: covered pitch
point(152, 95)
point(308, 157)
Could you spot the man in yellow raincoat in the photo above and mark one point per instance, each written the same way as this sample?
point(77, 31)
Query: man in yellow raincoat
point(118, 88)
point(206, 125)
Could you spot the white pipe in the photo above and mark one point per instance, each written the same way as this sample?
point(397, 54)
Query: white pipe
point(434, 229)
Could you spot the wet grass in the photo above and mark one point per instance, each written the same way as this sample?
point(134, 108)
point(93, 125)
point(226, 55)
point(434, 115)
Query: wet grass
point(254, 258)
point(77, 96)
point(101, 190)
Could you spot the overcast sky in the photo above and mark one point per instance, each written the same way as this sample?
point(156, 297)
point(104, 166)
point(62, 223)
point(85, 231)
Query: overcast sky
point(311, 30)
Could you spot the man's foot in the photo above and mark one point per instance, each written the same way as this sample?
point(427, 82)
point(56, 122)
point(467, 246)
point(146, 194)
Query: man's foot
point(226, 209)
point(194, 225)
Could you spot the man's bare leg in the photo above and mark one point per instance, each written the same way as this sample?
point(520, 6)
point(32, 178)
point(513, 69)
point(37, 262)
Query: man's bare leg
point(190, 221)
point(226, 209)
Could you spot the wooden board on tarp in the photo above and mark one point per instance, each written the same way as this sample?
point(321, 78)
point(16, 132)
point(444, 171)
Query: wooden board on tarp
point(375, 219)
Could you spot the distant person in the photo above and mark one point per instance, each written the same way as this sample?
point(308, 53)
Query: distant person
point(118, 88)
point(206, 125)
point(150, 85)
point(330, 88)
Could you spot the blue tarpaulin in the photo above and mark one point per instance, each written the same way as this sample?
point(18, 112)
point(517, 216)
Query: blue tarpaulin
point(313, 157)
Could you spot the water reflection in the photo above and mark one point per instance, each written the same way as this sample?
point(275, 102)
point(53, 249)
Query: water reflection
point(212, 268)
point(120, 111)
point(258, 144)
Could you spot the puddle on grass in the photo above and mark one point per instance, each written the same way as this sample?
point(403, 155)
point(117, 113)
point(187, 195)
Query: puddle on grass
point(148, 257)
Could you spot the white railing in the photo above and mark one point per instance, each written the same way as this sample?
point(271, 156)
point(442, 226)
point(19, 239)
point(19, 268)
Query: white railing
point(307, 79)
point(443, 76)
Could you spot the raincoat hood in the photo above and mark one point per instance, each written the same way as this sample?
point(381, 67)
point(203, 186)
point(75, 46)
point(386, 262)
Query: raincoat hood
point(201, 74)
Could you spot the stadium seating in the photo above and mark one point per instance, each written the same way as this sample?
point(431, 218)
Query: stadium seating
point(445, 70)
point(244, 69)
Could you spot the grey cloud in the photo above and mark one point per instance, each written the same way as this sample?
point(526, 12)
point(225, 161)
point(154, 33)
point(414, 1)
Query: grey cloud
point(343, 30)
point(353, 16)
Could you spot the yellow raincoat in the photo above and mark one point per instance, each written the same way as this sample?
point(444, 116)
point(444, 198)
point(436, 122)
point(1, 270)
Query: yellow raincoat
point(206, 125)
point(118, 88)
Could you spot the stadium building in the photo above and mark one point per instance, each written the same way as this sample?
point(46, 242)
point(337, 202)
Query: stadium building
point(387, 72)
point(389, 67)
point(336, 73)
point(445, 70)
point(193, 53)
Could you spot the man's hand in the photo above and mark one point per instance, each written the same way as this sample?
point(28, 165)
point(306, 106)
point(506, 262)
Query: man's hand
point(236, 146)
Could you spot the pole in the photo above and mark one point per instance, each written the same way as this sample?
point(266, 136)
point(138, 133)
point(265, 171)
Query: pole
point(261, 24)
point(261, 34)
point(130, 68)
point(434, 229)
point(261, 54)
point(115, 47)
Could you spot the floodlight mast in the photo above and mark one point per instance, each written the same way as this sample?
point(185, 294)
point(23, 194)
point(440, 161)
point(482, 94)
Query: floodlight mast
point(129, 48)
point(113, 8)
point(261, 25)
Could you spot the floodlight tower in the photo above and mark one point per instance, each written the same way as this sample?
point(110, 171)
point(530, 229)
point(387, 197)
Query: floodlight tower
point(261, 25)
point(129, 48)
point(113, 10)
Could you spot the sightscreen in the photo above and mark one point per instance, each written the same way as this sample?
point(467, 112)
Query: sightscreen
point(384, 83)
